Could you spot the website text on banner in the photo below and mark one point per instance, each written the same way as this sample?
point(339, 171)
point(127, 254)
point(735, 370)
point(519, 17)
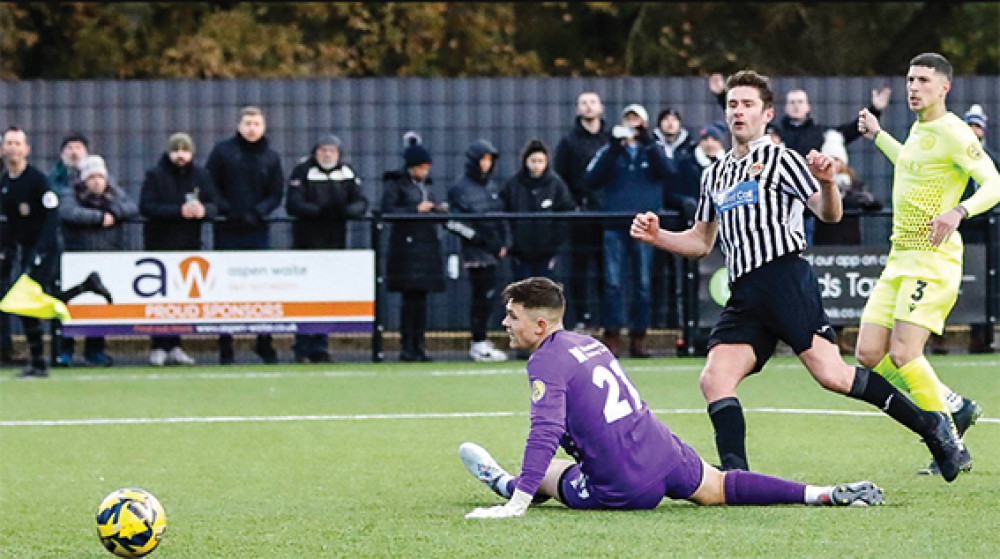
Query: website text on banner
point(224, 292)
point(846, 276)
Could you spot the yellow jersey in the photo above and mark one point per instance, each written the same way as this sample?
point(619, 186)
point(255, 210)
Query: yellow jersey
point(932, 169)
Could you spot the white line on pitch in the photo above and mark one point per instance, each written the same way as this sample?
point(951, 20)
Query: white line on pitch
point(378, 417)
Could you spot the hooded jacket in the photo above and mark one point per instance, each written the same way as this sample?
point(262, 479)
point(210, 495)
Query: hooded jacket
point(477, 193)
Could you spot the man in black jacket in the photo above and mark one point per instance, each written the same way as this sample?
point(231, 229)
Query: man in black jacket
point(177, 197)
point(323, 193)
point(573, 152)
point(248, 176)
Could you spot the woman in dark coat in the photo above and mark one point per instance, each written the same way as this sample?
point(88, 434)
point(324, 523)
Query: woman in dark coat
point(415, 266)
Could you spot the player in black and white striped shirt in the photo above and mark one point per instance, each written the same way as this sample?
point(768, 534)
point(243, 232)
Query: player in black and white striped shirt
point(753, 198)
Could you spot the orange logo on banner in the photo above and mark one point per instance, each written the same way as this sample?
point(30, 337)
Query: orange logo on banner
point(194, 280)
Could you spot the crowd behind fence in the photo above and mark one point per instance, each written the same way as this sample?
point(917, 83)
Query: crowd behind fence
point(682, 312)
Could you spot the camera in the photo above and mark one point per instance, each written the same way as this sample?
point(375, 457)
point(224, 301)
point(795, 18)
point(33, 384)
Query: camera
point(621, 132)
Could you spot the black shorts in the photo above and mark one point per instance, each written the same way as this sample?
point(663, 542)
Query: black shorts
point(778, 301)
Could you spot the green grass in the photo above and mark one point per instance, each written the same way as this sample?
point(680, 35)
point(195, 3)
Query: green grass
point(359, 460)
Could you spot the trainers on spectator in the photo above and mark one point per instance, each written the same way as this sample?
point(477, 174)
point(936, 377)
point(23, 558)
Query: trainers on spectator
point(484, 351)
point(178, 357)
point(158, 357)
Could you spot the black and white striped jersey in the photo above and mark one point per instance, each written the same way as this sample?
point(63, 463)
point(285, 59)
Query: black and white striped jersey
point(758, 200)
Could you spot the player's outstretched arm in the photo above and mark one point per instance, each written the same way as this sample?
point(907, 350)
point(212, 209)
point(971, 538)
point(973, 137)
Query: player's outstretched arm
point(694, 242)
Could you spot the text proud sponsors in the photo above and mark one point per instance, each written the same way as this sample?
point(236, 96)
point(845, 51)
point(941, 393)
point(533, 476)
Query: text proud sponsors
point(215, 311)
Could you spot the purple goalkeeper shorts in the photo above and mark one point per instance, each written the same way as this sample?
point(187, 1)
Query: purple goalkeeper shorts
point(576, 492)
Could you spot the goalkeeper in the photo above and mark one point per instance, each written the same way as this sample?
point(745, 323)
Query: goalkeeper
point(624, 457)
point(920, 282)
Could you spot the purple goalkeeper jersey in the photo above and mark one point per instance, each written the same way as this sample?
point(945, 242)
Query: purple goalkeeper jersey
point(582, 399)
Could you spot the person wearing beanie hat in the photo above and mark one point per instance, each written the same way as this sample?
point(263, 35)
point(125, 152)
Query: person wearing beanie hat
point(414, 264)
point(484, 242)
point(180, 141)
point(72, 150)
point(324, 193)
point(92, 215)
point(977, 119)
point(177, 197)
point(894, 329)
point(416, 155)
point(93, 165)
point(536, 189)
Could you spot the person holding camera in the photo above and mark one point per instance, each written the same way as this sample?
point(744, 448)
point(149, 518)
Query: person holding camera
point(628, 173)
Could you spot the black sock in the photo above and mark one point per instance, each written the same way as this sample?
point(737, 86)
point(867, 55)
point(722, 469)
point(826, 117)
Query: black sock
point(877, 391)
point(730, 433)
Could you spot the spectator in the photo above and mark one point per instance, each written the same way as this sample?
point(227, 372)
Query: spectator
point(92, 213)
point(774, 131)
point(711, 146)
point(323, 193)
point(853, 192)
point(73, 149)
point(414, 260)
point(177, 197)
point(573, 152)
point(681, 195)
point(484, 242)
point(248, 176)
point(855, 197)
point(628, 172)
point(801, 133)
point(535, 188)
point(975, 229)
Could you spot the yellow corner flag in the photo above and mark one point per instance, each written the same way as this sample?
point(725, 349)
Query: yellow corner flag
point(26, 298)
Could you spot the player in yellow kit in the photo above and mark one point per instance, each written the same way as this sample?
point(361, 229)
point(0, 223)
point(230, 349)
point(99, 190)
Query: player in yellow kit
point(919, 285)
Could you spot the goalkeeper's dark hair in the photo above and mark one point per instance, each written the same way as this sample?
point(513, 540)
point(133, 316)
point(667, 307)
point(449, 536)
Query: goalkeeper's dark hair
point(934, 60)
point(536, 293)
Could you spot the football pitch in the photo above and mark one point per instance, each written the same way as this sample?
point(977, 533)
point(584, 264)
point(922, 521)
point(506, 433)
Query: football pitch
point(359, 460)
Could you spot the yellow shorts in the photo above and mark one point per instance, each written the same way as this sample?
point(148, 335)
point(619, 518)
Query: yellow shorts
point(916, 287)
